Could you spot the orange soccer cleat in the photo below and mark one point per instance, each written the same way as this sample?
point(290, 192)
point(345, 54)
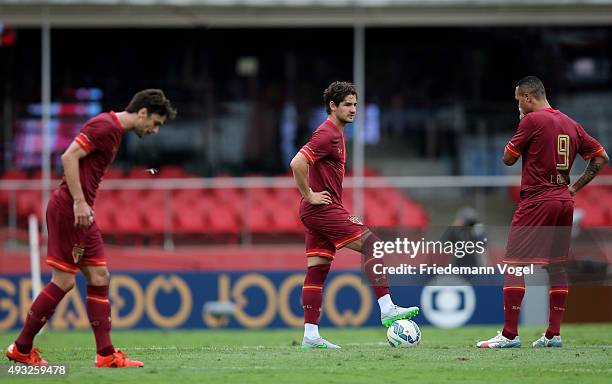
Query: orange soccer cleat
point(117, 360)
point(32, 358)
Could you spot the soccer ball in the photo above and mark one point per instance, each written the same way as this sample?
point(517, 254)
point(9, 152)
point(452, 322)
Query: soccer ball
point(404, 334)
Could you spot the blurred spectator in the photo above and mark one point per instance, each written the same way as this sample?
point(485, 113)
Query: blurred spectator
point(466, 227)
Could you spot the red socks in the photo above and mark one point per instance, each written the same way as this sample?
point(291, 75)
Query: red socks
point(40, 312)
point(558, 297)
point(514, 290)
point(312, 292)
point(99, 313)
point(379, 283)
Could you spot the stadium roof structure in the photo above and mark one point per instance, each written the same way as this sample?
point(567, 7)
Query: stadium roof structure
point(303, 13)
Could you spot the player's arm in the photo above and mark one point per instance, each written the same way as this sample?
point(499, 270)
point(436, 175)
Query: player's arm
point(512, 151)
point(299, 166)
point(510, 157)
point(83, 214)
point(596, 163)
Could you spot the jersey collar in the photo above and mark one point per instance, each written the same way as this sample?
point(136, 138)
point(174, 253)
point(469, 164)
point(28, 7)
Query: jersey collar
point(114, 116)
point(333, 125)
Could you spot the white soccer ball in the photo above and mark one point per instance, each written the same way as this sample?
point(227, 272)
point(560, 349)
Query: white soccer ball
point(404, 334)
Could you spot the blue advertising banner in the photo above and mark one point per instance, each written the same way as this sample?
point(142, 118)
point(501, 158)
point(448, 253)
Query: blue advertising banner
point(262, 299)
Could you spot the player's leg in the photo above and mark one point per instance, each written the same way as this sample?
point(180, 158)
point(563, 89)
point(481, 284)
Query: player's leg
point(529, 241)
point(98, 307)
point(99, 313)
point(93, 266)
point(40, 312)
point(61, 237)
point(557, 276)
point(514, 291)
point(320, 253)
point(558, 292)
point(389, 311)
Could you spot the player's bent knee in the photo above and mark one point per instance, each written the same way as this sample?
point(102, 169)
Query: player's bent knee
point(64, 280)
point(317, 260)
point(66, 283)
point(99, 277)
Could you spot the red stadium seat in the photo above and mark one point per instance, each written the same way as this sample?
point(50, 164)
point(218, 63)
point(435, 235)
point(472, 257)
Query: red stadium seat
point(412, 215)
point(187, 195)
point(222, 219)
point(257, 219)
point(192, 222)
point(155, 217)
point(286, 219)
point(289, 196)
point(379, 215)
point(173, 172)
point(105, 219)
point(595, 215)
point(129, 220)
point(131, 197)
point(260, 195)
point(29, 201)
point(11, 174)
point(114, 173)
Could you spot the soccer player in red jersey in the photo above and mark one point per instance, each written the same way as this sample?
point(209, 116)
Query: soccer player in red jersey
point(318, 170)
point(74, 241)
point(548, 142)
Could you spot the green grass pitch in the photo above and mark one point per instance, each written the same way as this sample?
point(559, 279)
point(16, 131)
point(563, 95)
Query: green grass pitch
point(273, 356)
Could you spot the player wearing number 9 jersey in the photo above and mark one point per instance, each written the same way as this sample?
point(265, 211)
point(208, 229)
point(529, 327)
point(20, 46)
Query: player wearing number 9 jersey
point(548, 142)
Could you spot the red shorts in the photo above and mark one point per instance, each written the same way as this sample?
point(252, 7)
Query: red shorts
point(329, 229)
point(65, 242)
point(540, 232)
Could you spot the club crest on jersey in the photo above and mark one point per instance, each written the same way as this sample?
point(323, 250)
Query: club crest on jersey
point(77, 253)
point(355, 220)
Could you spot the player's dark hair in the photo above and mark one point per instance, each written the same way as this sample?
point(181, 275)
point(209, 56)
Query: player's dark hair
point(336, 92)
point(154, 101)
point(533, 86)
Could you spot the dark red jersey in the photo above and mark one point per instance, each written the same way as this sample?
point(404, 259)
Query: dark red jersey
point(100, 137)
point(548, 141)
point(326, 154)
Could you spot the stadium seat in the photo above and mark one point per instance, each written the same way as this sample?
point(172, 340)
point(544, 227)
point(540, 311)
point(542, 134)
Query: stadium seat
point(29, 201)
point(138, 173)
point(257, 219)
point(129, 220)
point(289, 196)
point(192, 222)
point(187, 195)
point(14, 174)
point(412, 215)
point(222, 220)
point(155, 217)
point(379, 215)
point(105, 219)
point(10, 175)
point(173, 172)
point(114, 173)
point(286, 219)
